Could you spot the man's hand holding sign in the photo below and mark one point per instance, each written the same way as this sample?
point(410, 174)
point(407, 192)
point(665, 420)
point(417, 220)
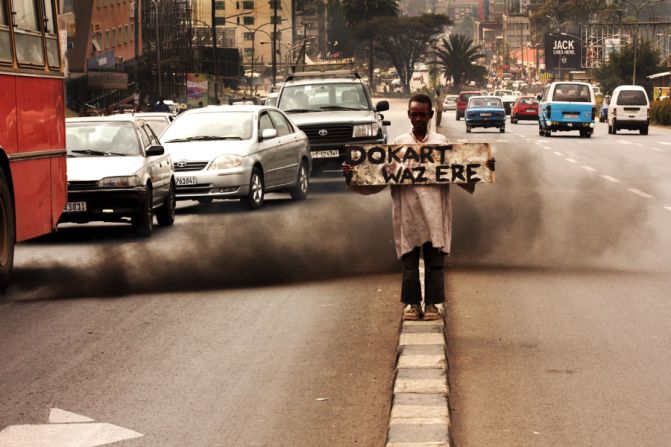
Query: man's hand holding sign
point(420, 166)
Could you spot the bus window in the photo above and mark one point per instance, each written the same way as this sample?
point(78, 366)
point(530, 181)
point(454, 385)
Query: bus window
point(28, 34)
point(53, 52)
point(5, 43)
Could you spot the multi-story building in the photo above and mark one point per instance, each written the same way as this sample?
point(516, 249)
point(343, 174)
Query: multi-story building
point(516, 31)
point(311, 26)
point(248, 25)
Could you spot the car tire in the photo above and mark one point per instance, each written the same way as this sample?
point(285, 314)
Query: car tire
point(502, 129)
point(256, 195)
point(541, 132)
point(610, 129)
point(644, 130)
point(7, 233)
point(165, 215)
point(458, 116)
point(513, 120)
point(614, 127)
point(143, 221)
point(302, 187)
point(468, 129)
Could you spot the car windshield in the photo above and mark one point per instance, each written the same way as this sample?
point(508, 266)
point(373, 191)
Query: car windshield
point(492, 101)
point(216, 125)
point(323, 97)
point(572, 93)
point(158, 125)
point(101, 138)
point(632, 98)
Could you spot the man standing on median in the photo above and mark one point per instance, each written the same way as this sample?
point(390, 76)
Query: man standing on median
point(422, 221)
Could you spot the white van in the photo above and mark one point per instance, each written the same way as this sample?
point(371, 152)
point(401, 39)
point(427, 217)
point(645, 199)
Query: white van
point(629, 109)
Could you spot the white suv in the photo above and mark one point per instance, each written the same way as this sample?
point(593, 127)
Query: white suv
point(629, 108)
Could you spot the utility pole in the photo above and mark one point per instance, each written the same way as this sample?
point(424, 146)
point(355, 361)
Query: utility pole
point(136, 46)
point(158, 47)
point(214, 52)
point(274, 55)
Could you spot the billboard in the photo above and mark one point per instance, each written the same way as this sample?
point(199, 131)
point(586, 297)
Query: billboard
point(562, 52)
point(196, 89)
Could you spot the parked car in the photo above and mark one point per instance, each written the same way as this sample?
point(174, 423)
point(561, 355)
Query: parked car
point(629, 109)
point(485, 111)
point(158, 121)
point(603, 112)
point(462, 102)
point(567, 106)
point(271, 99)
point(450, 102)
point(116, 170)
point(524, 108)
point(238, 152)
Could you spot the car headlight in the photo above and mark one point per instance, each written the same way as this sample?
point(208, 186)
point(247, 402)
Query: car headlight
point(226, 162)
point(365, 130)
point(127, 181)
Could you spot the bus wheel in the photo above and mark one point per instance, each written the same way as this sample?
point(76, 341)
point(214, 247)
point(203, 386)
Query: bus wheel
point(7, 233)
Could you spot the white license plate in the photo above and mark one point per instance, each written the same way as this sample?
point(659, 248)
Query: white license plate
point(571, 116)
point(531, 110)
point(186, 181)
point(75, 207)
point(326, 154)
point(485, 114)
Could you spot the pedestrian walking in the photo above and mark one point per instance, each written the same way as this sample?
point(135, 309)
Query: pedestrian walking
point(440, 97)
point(422, 222)
point(161, 106)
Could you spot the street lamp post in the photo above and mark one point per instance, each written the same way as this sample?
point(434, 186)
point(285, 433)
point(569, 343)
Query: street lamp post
point(158, 48)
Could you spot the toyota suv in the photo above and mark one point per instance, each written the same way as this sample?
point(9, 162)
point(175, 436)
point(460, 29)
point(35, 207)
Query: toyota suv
point(334, 109)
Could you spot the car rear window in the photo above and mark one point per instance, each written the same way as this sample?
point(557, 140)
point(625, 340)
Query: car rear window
point(632, 98)
point(572, 93)
point(465, 96)
point(528, 101)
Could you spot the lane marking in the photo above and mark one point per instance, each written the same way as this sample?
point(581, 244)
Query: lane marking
point(570, 160)
point(665, 143)
point(639, 193)
point(611, 179)
point(547, 147)
point(588, 168)
point(657, 149)
point(668, 208)
point(558, 153)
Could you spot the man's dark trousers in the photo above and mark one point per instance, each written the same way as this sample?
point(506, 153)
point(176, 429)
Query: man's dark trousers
point(434, 279)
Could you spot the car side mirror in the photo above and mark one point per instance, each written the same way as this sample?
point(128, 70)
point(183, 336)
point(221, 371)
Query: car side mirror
point(386, 123)
point(382, 106)
point(538, 97)
point(268, 134)
point(155, 150)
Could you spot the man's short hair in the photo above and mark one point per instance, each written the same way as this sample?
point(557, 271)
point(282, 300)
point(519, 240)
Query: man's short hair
point(421, 97)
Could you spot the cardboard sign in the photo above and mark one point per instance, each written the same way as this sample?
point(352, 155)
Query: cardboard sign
point(419, 164)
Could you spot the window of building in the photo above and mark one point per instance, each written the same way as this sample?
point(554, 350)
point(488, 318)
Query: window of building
point(249, 52)
point(107, 40)
point(275, 19)
point(113, 42)
point(248, 4)
point(221, 21)
point(248, 36)
point(127, 35)
point(247, 20)
point(132, 33)
point(219, 5)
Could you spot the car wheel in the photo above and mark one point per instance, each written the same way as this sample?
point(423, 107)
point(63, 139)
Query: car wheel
point(513, 120)
point(256, 194)
point(7, 233)
point(143, 221)
point(458, 116)
point(300, 190)
point(610, 129)
point(468, 129)
point(614, 127)
point(502, 129)
point(165, 215)
point(548, 133)
point(541, 132)
point(644, 130)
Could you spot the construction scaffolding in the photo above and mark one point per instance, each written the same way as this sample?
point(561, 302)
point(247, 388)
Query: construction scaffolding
point(167, 48)
point(599, 40)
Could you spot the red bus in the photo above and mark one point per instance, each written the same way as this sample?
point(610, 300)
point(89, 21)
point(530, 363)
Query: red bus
point(32, 125)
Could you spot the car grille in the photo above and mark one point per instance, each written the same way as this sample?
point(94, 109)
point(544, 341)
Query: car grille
point(81, 185)
point(334, 134)
point(182, 165)
point(194, 189)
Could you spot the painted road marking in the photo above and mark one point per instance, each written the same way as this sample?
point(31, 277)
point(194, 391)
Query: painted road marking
point(570, 160)
point(657, 149)
point(547, 147)
point(668, 208)
point(611, 179)
point(665, 143)
point(639, 193)
point(558, 153)
point(72, 430)
point(588, 168)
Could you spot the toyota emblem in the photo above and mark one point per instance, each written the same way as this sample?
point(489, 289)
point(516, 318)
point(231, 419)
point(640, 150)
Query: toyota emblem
point(181, 164)
point(323, 132)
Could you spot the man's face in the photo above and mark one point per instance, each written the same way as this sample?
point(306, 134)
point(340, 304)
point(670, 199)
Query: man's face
point(420, 114)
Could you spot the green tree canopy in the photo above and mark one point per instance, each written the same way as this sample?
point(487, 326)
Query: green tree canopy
point(339, 35)
point(620, 67)
point(404, 40)
point(457, 59)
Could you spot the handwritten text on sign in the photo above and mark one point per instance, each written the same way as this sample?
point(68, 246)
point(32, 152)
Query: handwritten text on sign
point(401, 164)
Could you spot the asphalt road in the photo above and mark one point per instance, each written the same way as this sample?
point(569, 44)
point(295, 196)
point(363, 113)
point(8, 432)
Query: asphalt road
point(559, 308)
point(277, 327)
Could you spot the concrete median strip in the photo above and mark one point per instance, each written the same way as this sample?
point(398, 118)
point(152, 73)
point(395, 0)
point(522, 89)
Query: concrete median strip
point(420, 415)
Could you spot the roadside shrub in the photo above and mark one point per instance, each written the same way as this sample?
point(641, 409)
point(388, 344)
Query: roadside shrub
point(660, 112)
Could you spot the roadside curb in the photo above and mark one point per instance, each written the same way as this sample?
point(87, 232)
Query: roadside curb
point(420, 412)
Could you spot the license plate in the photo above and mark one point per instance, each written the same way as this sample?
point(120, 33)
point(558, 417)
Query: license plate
point(186, 181)
point(571, 116)
point(75, 207)
point(485, 114)
point(531, 110)
point(334, 153)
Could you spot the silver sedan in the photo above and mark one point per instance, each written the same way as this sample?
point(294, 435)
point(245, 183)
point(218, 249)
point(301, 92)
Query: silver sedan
point(244, 151)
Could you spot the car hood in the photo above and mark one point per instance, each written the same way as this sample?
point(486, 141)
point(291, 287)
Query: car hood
point(333, 117)
point(207, 150)
point(95, 168)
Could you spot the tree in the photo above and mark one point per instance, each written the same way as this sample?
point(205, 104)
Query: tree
point(404, 40)
point(360, 12)
point(620, 67)
point(458, 58)
point(339, 36)
point(567, 15)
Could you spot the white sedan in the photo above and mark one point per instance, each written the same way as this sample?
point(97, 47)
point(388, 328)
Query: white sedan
point(238, 152)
